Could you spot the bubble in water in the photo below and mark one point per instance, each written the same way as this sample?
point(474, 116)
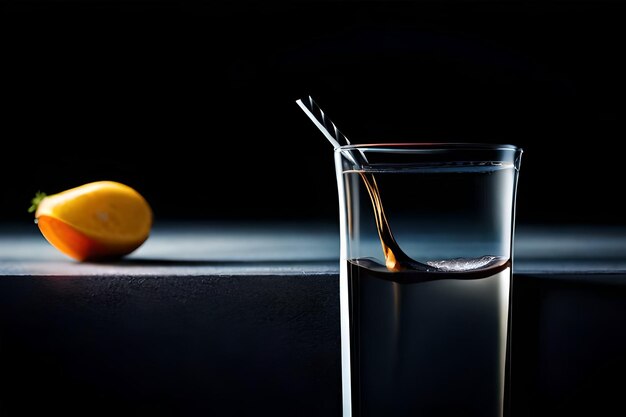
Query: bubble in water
point(464, 264)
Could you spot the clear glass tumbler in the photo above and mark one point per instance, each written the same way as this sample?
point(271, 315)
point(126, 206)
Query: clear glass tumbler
point(425, 277)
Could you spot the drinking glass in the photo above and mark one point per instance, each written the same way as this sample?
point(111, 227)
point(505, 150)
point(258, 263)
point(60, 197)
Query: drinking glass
point(426, 257)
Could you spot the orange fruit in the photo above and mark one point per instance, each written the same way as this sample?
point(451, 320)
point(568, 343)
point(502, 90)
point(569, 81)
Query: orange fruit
point(94, 221)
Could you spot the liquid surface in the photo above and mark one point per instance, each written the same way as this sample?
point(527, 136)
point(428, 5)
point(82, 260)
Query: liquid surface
point(478, 177)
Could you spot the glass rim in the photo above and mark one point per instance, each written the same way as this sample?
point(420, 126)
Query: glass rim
point(430, 146)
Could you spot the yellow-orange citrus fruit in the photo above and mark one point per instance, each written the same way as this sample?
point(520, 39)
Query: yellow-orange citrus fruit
point(94, 221)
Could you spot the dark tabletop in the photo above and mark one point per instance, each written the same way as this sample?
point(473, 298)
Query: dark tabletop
point(284, 248)
point(243, 319)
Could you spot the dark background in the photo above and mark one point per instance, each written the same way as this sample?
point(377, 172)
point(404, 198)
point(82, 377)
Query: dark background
point(193, 103)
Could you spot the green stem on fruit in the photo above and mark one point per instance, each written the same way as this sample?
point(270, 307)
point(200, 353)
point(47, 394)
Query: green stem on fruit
point(36, 200)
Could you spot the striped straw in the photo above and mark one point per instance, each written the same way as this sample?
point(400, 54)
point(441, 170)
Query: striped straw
point(323, 123)
point(329, 129)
